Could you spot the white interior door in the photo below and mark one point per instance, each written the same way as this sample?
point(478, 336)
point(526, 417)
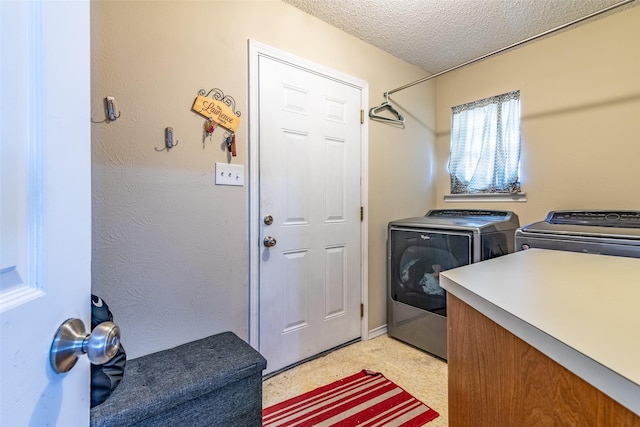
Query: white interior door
point(310, 279)
point(45, 211)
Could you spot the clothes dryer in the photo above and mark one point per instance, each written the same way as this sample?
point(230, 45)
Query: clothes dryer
point(418, 249)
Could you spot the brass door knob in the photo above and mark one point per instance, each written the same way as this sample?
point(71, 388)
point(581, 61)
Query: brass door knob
point(269, 242)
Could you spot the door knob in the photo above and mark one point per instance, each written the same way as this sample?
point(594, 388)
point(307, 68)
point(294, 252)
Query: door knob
point(269, 242)
point(72, 341)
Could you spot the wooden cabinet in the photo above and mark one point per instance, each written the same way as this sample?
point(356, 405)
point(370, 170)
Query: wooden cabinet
point(496, 379)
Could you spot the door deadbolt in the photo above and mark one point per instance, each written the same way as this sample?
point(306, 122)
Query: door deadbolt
point(268, 220)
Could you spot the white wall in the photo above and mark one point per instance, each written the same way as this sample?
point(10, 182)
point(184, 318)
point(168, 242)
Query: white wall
point(580, 101)
point(170, 250)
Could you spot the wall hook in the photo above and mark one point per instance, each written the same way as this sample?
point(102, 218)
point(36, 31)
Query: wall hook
point(110, 110)
point(168, 140)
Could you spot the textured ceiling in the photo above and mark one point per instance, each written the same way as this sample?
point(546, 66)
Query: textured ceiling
point(440, 34)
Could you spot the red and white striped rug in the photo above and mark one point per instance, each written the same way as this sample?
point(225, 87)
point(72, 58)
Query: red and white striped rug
point(363, 399)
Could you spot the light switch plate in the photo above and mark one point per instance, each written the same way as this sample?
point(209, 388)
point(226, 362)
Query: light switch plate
point(228, 174)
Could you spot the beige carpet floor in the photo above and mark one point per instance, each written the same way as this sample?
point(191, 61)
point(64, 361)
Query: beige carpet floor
point(422, 375)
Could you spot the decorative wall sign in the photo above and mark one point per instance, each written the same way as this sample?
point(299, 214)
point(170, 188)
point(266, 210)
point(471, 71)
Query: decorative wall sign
point(218, 107)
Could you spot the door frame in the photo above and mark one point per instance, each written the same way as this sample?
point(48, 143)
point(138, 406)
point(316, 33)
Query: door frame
point(257, 50)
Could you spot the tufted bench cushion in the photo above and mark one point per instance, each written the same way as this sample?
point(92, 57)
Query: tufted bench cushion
point(215, 381)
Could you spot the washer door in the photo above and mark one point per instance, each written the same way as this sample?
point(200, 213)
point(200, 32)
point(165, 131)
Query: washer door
point(417, 257)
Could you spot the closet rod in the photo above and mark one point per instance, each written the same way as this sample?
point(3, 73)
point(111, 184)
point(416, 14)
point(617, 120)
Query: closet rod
point(424, 79)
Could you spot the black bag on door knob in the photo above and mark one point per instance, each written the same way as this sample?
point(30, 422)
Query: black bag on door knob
point(106, 377)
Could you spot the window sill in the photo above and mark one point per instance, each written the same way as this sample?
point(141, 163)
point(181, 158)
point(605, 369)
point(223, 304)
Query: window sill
point(486, 197)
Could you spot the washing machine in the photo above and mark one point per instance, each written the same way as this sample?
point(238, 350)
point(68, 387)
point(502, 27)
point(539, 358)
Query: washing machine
point(418, 249)
point(597, 231)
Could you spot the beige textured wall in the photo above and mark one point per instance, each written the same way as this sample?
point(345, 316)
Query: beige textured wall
point(170, 250)
point(580, 100)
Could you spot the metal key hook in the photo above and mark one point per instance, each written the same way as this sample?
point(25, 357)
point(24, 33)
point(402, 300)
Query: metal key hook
point(169, 142)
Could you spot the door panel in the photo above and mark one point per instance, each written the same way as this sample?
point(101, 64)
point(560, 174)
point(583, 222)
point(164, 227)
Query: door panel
point(45, 238)
point(296, 167)
point(296, 288)
point(309, 181)
point(336, 178)
point(336, 286)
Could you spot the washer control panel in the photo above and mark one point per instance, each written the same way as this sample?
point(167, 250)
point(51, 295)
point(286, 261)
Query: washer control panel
point(622, 219)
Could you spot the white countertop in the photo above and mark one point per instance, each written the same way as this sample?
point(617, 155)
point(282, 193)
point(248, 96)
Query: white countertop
point(581, 310)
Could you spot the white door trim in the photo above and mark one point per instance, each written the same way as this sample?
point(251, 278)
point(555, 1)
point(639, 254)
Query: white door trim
point(256, 50)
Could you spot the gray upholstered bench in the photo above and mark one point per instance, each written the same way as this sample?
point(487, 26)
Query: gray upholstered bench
point(215, 381)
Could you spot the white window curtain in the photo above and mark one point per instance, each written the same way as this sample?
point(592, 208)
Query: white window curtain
point(485, 146)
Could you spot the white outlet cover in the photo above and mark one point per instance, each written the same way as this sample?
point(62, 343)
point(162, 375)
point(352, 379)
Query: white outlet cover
point(229, 174)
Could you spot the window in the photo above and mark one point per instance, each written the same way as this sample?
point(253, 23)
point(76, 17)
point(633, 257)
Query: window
point(485, 146)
